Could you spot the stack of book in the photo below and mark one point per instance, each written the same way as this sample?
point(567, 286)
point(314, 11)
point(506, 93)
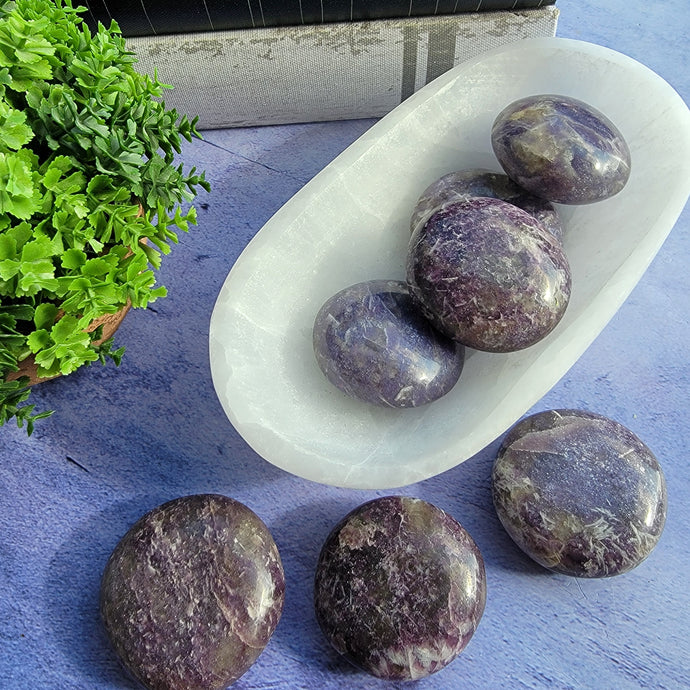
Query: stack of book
point(254, 62)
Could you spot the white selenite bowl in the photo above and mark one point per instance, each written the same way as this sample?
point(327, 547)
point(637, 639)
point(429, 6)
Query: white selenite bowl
point(351, 223)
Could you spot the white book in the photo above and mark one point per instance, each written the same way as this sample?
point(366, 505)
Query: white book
point(310, 73)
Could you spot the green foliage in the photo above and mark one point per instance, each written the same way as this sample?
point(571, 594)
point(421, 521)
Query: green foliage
point(90, 198)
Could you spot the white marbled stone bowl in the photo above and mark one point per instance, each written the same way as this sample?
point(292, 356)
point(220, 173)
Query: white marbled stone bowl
point(351, 223)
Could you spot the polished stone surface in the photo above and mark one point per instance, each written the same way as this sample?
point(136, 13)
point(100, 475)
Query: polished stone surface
point(373, 344)
point(488, 275)
point(579, 493)
point(462, 185)
point(400, 588)
point(561, 149)
point(192, 593)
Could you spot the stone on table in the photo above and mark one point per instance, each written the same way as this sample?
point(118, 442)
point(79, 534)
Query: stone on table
point(192, 593)
point(400, 588)
point(579, 493)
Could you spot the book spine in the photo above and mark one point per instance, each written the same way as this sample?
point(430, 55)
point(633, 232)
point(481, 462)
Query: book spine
point(322, 72)
point(159, 17)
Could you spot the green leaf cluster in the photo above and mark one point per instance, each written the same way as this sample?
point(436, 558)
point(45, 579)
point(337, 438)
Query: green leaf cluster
point(90, 195)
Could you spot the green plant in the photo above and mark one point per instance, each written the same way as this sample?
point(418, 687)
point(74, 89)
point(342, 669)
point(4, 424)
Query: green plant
point(89, 191)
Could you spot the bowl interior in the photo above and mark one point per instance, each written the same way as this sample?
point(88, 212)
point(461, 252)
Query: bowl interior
point(351, 223)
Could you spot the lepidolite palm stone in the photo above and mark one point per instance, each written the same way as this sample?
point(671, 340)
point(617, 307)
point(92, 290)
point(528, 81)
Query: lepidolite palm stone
point(400, 588)
point(192, 593)
point(579, 493)
point(488, 275)
point(561, 149)
point(373, 344)
point(466, 184)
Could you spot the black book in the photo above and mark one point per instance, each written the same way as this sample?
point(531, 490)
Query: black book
point(156, 17)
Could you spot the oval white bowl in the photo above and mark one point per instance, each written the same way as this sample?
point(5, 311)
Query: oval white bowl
point(351, 223)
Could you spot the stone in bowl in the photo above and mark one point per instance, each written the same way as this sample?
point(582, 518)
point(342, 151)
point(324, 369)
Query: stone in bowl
point(561, 149)
point(461, 185)
point(373, 343)
point(488, 274)
point(351, 223)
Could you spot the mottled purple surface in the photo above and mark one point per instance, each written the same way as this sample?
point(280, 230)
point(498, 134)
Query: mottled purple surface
point(561, 149)
point(400, 588)
point(579, 493)
point(488, 275)
point(192, 593)
point(466, 184)
point(373, 344)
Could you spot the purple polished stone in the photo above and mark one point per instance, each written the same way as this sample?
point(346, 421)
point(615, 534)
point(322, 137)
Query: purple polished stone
point(373, 344)
point(400, 588)
point(192, 593)
point(579, 493)
point(488, 275)
point(561, 149)
point(466, 184)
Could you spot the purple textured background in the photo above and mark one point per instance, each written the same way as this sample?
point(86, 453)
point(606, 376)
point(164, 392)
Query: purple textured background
point(153, 430)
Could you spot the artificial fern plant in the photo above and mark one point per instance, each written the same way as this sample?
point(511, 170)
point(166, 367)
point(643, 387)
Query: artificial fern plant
point(89, 191)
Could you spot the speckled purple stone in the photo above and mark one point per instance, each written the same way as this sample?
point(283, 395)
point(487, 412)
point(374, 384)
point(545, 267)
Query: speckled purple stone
point(488, 275)
point(466, 184)
point(561, 149)
point(373, 344)
point(192, 594)
point(400, 588)
point(579, 493)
